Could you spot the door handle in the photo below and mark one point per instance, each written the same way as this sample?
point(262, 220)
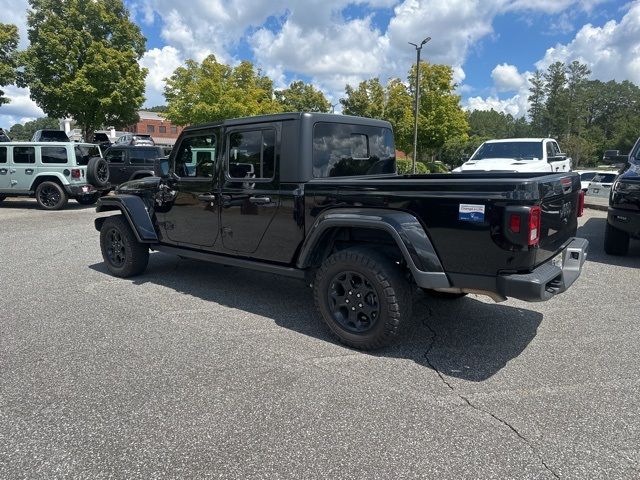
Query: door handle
point(208, 197)
point(259, 200)
point(29, 171)
point(3, 171)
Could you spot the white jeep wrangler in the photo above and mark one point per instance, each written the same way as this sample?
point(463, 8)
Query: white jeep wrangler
point(53, 172)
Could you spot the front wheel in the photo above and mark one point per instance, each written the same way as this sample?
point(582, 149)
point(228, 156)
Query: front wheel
point(121, 251)
point(362, 297)
point(616, 242)
point(51, 196)
point(88, 199)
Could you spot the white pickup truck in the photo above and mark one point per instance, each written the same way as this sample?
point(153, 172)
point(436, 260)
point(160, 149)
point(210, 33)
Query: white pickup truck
point(517, 155)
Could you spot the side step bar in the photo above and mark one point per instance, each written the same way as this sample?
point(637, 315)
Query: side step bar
point(231, 261)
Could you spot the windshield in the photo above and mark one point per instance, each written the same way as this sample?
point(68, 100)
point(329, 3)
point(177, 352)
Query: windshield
point(604, 177)
point(85, 152)
point(515, 150)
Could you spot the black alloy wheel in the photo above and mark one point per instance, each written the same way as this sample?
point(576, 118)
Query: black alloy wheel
point(353, 301)
point(102, 172)
point(115, 248)
point(51, 196)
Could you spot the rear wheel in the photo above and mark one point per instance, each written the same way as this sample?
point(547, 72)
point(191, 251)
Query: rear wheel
point(51, 196)
point(121, 251)
point(616, 242)
point(362, 296)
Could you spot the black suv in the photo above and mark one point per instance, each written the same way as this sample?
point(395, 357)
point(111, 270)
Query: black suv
point(623, 219)
point(130, 162)
point(50, 136)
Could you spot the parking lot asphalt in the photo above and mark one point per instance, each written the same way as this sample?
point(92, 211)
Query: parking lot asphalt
point(194, 371)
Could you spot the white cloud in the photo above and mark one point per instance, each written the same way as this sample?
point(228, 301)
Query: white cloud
point(161, 63)
point(14, 12)
point(20, 110)
point(507, 78)
point(611, 51)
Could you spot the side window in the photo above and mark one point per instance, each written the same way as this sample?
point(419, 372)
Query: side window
point(196, 156)
point(24, 155)
point(139, 156)
point(556, 148)
point(162, 129)
point(53, 154)
point(150, 128)
point(550, 152)
point(115, 156)
point(252, 154)
point(3, 154)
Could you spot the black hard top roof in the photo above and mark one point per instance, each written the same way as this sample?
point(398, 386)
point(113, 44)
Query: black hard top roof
point(278, 117)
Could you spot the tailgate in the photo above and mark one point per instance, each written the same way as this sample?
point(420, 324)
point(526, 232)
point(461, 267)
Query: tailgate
point(559, 223)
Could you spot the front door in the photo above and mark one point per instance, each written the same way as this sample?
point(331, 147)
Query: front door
point(189, 215)
point(5, 178)
point(250, 195)
point(23, 170)
point(117, 168)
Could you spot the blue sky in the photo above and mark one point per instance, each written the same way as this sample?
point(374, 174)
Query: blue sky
point(493, 45)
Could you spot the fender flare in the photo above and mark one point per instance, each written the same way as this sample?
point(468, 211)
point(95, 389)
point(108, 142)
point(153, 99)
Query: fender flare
point(404, 228)
point(64, 182)
point(134, 210)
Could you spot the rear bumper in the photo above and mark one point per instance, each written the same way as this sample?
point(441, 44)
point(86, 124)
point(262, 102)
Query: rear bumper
point(625, 220)
point(82, 190)
point(547, 279)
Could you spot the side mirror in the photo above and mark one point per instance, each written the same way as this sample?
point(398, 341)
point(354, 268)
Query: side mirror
point(161, 167)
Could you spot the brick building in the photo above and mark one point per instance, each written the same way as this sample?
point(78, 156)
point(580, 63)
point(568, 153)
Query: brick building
point(161, 130)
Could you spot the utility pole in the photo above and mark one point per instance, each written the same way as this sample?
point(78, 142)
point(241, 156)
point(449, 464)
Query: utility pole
point(415, 111)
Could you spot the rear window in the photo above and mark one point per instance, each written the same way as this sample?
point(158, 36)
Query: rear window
point(144, 155)
point(342, 150)
point(85, 152)
point(585, 177)
point(604, 178)
point(3, 154)
point(100, 137)
point(53, 154)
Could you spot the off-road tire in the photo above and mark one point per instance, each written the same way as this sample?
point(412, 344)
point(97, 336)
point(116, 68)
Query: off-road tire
point(123, 255)
point(51, 196)
point(98, 172)
point(88, 199)
point(443, 295)
point(616, 242)
point(384, 277)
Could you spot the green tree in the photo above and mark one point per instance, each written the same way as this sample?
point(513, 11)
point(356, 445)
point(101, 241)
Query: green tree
point(8, 45)
point(440, 115)
point(399, 111)
point(24, 132)
point(557, 104)
point(83, 62)
point(492, 124)
point(537, 109)
point(157, 108)
point(212, 91)
point(367, 100)
point(302, 97)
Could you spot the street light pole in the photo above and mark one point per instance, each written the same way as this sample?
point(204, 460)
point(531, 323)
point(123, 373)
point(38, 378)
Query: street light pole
point(415, 111)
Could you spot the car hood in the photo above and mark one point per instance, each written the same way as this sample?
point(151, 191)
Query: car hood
point(503, 164)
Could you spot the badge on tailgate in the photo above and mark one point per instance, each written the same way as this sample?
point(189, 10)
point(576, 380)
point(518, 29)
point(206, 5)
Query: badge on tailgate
point(471, 213)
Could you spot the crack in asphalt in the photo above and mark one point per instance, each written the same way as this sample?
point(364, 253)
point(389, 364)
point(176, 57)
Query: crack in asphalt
point(476, 407)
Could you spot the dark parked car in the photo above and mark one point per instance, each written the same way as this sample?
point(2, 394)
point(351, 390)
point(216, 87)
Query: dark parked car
point(623, 218)
point(49, 136)
point(101, 139)
point(316, 197)
point(3, 136)
point(128, 162)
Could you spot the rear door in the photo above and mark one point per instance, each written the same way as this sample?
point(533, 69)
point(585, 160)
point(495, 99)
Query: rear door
point(22, 172)
point(250, 195)
point(5, 179)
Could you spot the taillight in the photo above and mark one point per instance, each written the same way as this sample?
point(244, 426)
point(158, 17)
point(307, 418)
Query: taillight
point(581, 203)
point(75, 173)
point(514, 223)
point(535, 216)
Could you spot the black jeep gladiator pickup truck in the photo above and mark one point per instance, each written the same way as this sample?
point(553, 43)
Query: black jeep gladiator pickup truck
point(317, 197)
point(623, 218)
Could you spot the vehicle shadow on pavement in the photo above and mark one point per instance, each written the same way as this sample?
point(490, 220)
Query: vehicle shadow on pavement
point(31, 204)
point(593, 230)
point(464, 338)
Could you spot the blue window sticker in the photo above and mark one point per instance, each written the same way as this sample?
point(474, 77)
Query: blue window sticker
point(471, 213)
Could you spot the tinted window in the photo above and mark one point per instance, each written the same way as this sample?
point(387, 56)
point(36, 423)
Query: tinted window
point(24, 155)
point(141, 155)
point(53, 154)
point(53, 136)
point(100, 137)
point(3, 154)
point(252, 154)
point(516, 150)
point(196, 156)
point(85, 152)
point(604, 177)
point(585, 177)
point(341, 150)
point(115, 156)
